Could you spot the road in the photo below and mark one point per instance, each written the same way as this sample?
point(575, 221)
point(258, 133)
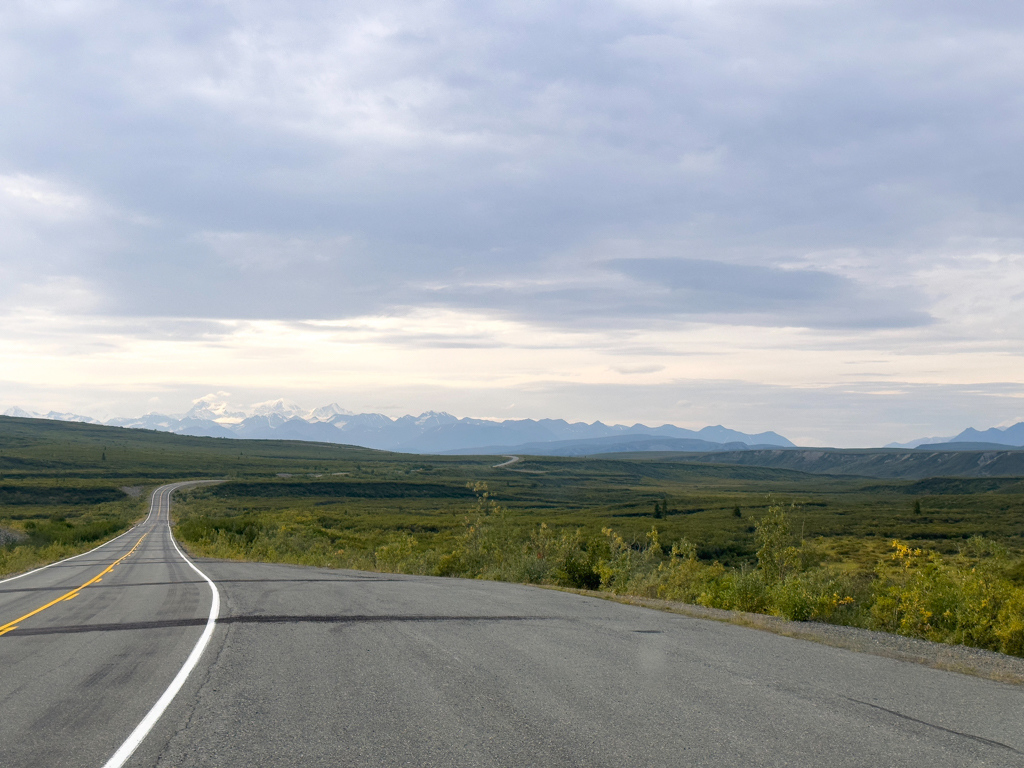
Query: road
point(314, 667)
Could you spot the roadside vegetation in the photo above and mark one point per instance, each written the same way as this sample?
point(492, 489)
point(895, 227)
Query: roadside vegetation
point(971, 593)
point(41, 524)
point(939, 558)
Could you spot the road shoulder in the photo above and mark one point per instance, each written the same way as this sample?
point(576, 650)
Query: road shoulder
point(952, 658)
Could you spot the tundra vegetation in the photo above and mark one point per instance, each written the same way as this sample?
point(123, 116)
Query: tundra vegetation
point(973, 594)
point(938, 558)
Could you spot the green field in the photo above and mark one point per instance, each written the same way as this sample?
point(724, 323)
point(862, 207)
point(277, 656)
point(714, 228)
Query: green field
point(608, 523)
point(429, 498)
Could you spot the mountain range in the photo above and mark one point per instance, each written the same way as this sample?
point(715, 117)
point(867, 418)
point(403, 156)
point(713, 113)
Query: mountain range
point(430, 432)
point(627, 443)
point(970, 437)
point(438, 432)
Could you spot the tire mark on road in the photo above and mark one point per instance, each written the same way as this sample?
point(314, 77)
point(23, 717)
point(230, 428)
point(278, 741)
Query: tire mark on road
point(979, 739)
point(274, 619)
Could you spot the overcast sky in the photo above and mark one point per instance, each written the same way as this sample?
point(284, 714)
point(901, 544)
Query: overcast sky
point(802, 216)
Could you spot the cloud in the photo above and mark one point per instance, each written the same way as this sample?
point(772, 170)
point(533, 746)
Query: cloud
point(269, 253)
point(436, 136)
point(633, 292)
point(846, 167)
point(782, 296)
point(42, 198)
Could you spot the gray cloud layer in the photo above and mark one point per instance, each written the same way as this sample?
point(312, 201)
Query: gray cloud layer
point(574, 163)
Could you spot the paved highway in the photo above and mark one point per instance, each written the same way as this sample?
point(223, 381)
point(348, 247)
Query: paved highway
point(313, 667)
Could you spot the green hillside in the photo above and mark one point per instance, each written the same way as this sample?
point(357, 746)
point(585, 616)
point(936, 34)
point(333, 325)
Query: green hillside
point(875, 462)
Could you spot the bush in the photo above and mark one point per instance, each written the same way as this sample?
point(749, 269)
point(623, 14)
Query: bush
point(686, 578)
point(774, 545)
point(820, 594)
point(975, 598)
point(576, 562)
point(629, 567)
point(967, 601)
point(1010, 627)
point(396, 556)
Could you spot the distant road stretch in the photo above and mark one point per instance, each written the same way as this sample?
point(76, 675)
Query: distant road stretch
point(314, 667)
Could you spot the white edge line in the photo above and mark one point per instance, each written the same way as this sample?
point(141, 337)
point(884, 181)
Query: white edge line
point(142, 729)
point(152, 502)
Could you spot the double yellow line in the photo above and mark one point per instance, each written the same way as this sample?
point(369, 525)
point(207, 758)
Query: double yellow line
point(74, 592)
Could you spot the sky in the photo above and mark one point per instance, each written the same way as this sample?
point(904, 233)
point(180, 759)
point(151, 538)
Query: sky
point(796, 215)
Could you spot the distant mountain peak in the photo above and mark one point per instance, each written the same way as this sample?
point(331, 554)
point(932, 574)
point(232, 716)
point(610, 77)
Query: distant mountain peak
point(1012, 435)
point(439, 417)
point(430, 432)
point(21, 413)
point(214, 410)
point(280, 407)
point(327, 412)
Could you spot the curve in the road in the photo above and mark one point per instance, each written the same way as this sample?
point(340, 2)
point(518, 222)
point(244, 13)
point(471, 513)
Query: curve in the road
point(125, 751)
point(320, 667)
point(82, 691)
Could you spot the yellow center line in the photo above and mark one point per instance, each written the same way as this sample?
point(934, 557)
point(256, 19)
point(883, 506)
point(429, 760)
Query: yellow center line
point(73, 593)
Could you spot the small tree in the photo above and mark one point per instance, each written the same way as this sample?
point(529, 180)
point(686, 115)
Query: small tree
point(774, 544)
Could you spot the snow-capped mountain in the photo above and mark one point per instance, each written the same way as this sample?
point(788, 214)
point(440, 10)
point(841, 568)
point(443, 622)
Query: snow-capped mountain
point(212, 410)
point(327, 412)
point(430, 432)
point(53, 415)
point(279, 407)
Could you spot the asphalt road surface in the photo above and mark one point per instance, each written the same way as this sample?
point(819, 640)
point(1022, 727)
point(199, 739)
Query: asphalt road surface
point(314, 667)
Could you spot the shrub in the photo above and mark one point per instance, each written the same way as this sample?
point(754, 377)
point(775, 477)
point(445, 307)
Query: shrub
point(820, 594)
point(911, 592)
point(395, 556)
point(967, 601)
point(776, 555)
point(630, 568)
point(576, 562)
point(684, 577)
point(1010, 627)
